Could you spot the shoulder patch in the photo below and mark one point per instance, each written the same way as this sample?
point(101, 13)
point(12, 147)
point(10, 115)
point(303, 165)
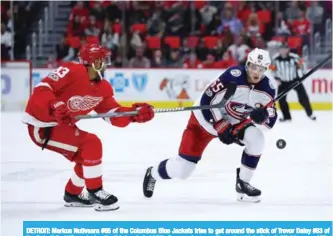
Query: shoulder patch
point(53, 76)
point(235, 72)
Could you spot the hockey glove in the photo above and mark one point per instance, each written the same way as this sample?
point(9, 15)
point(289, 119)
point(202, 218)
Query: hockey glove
point(61, 113)
point(145, 112)
point(259, 115)
point(224, 129)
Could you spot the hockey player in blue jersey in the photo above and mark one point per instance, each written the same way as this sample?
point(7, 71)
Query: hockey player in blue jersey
point(254, 91)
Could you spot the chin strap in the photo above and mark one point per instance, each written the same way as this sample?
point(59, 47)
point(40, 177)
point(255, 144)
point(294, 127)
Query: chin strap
point(98, 70)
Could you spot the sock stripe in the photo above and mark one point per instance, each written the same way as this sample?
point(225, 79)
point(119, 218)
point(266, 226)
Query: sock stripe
point(162, 170)
point(77, 181)
point(250, 161)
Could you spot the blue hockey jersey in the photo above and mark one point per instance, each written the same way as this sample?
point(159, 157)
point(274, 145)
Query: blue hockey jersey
point(246, 98)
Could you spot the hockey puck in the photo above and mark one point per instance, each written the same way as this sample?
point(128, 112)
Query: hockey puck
point(281, 144)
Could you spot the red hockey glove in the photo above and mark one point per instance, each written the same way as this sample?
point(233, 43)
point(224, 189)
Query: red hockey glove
point(61, 113)
point(145, 112)
point(224, 129)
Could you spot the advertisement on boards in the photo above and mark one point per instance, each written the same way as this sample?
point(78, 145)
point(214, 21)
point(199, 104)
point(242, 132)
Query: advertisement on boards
point(158, 85)
point(15, 84)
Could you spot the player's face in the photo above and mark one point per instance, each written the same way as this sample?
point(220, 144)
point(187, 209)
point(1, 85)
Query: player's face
point(255, 72)
point(102, 63)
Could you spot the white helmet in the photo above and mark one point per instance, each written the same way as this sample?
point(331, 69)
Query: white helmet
point(259, 57)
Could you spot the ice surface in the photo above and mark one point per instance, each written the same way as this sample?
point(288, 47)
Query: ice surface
point(296, 181)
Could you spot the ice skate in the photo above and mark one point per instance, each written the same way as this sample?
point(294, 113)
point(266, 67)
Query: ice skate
point(245, 191)
point(103, 201)
point(81, 200)
point(283, 120)
point(148, 183)
point(313, 117)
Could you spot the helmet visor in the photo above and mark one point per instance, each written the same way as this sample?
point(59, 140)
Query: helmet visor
point(256, 68)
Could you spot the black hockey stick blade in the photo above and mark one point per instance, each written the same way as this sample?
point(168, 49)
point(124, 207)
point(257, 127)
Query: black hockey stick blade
point(231, 89)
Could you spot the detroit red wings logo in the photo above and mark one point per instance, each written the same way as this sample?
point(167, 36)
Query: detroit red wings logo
point(79, 103)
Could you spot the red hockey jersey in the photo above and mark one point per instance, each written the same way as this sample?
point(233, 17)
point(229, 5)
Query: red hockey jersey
point(70, 84)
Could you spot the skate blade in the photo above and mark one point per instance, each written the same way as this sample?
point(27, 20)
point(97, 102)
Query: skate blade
point(113, 207)
point(77, 204)
point(148, 195)
point(241, 197)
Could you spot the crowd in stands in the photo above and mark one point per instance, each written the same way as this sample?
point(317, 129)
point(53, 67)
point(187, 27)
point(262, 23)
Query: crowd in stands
point(191, 34)
point(15, 23)
point(207, 34)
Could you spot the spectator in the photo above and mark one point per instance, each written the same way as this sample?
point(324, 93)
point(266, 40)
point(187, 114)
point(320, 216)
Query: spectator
point(228, 37)
point(157, 60)
point(92, 29)
point(201, 51)
point(214, 24)
point(293, 12)
point(239, 49)
point(227, 60)
point(175, 60)
point(75, 27)
point(141, 11)
point(315, 14)
point(156, 25)
point(139, 61)
point(253, 26)
point(243, 11)
point(192, 22)
point(109, 39)
point(192, 62)
point(117, 63)
point(207, 13)
point(9, 21)
point(79, 10)
point(185, 49)
point(175, 20)
point(301, 26)
point(282, 26)
point(229, 20)
point(98, 11)
point(136, 40)
point(6, 42)
point(209, 62)
point(62, 49)
point(219, 49)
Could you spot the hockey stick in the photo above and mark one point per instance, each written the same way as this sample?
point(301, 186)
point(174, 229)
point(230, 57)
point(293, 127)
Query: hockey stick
point(242, 124)
point(231, 89)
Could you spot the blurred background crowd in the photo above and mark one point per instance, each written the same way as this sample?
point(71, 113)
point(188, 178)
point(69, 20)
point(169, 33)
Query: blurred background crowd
point(164, 34)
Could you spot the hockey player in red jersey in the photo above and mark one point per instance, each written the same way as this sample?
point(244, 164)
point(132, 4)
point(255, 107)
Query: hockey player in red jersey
point(76, 89)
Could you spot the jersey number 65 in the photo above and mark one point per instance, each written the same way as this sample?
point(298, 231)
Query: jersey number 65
point(216, 86)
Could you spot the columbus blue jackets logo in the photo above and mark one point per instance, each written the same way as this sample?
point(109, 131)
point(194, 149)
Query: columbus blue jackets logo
point(237, 110)
point(140, 81)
